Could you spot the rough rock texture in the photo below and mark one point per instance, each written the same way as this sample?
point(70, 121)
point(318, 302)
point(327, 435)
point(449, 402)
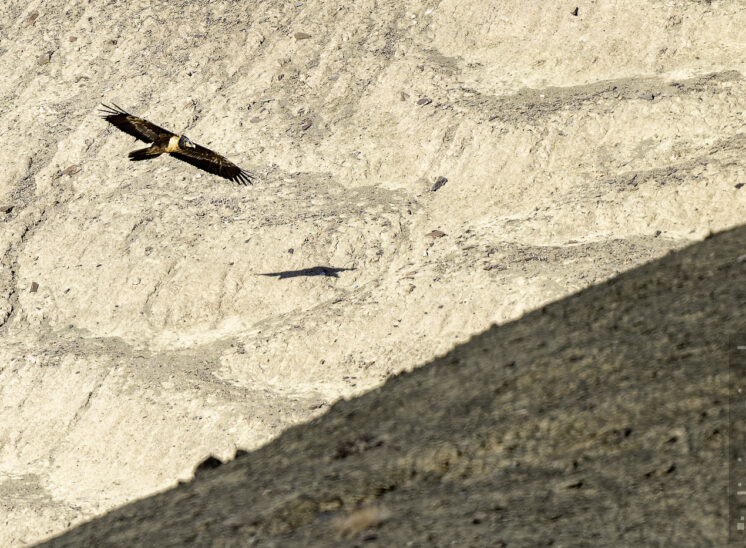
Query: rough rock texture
point(600, 420)
point(138, 331)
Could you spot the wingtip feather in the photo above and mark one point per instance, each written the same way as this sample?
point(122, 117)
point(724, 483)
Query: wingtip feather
point(247, 177)
point(242, 178)
point(112, 110)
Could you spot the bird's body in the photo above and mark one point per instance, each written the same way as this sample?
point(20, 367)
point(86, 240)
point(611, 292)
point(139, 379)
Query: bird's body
point(173, 144)
point(167, 142)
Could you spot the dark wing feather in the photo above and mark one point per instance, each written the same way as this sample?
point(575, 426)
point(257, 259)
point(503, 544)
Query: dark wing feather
point(139, 128)
point(212, 162)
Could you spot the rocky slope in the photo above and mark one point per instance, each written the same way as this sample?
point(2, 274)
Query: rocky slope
point(142, 328)
point(600, 420)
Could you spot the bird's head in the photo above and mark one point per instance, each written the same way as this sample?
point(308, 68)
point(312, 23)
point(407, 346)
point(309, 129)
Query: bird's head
point(184, 142)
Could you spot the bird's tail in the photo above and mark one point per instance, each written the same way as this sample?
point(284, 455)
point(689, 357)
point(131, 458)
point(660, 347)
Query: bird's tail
point(144, 153)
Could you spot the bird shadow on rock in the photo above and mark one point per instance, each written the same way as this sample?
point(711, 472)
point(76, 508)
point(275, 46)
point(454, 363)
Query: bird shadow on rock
point(329, 271)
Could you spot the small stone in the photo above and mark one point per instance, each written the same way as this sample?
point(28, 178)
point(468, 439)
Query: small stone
point(255, 120)
point(739, 185)
point(436, 234)
point(404, 96)
point(291, 250)
point(476, 520)
point(360, 520)
point(210, 463)
point(301, 36)
point(44, 58)
point(575, 11)
point(6, 208)
point(31, 19)
point(72, 39)
point(306, 124)
point(71, 170)
point(439, 182)
point(34, 287)
point(424, 101)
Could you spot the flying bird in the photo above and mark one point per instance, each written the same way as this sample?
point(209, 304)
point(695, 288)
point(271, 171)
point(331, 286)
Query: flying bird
point(178, 146)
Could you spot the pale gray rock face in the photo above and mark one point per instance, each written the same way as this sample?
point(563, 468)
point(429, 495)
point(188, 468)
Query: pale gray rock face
point(152, 314)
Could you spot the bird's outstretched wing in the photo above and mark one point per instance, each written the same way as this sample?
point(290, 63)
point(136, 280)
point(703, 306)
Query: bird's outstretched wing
point(139, 128)
point(212, 162)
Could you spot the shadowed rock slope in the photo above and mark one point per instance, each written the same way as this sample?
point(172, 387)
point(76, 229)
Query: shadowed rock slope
point(597, 420)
